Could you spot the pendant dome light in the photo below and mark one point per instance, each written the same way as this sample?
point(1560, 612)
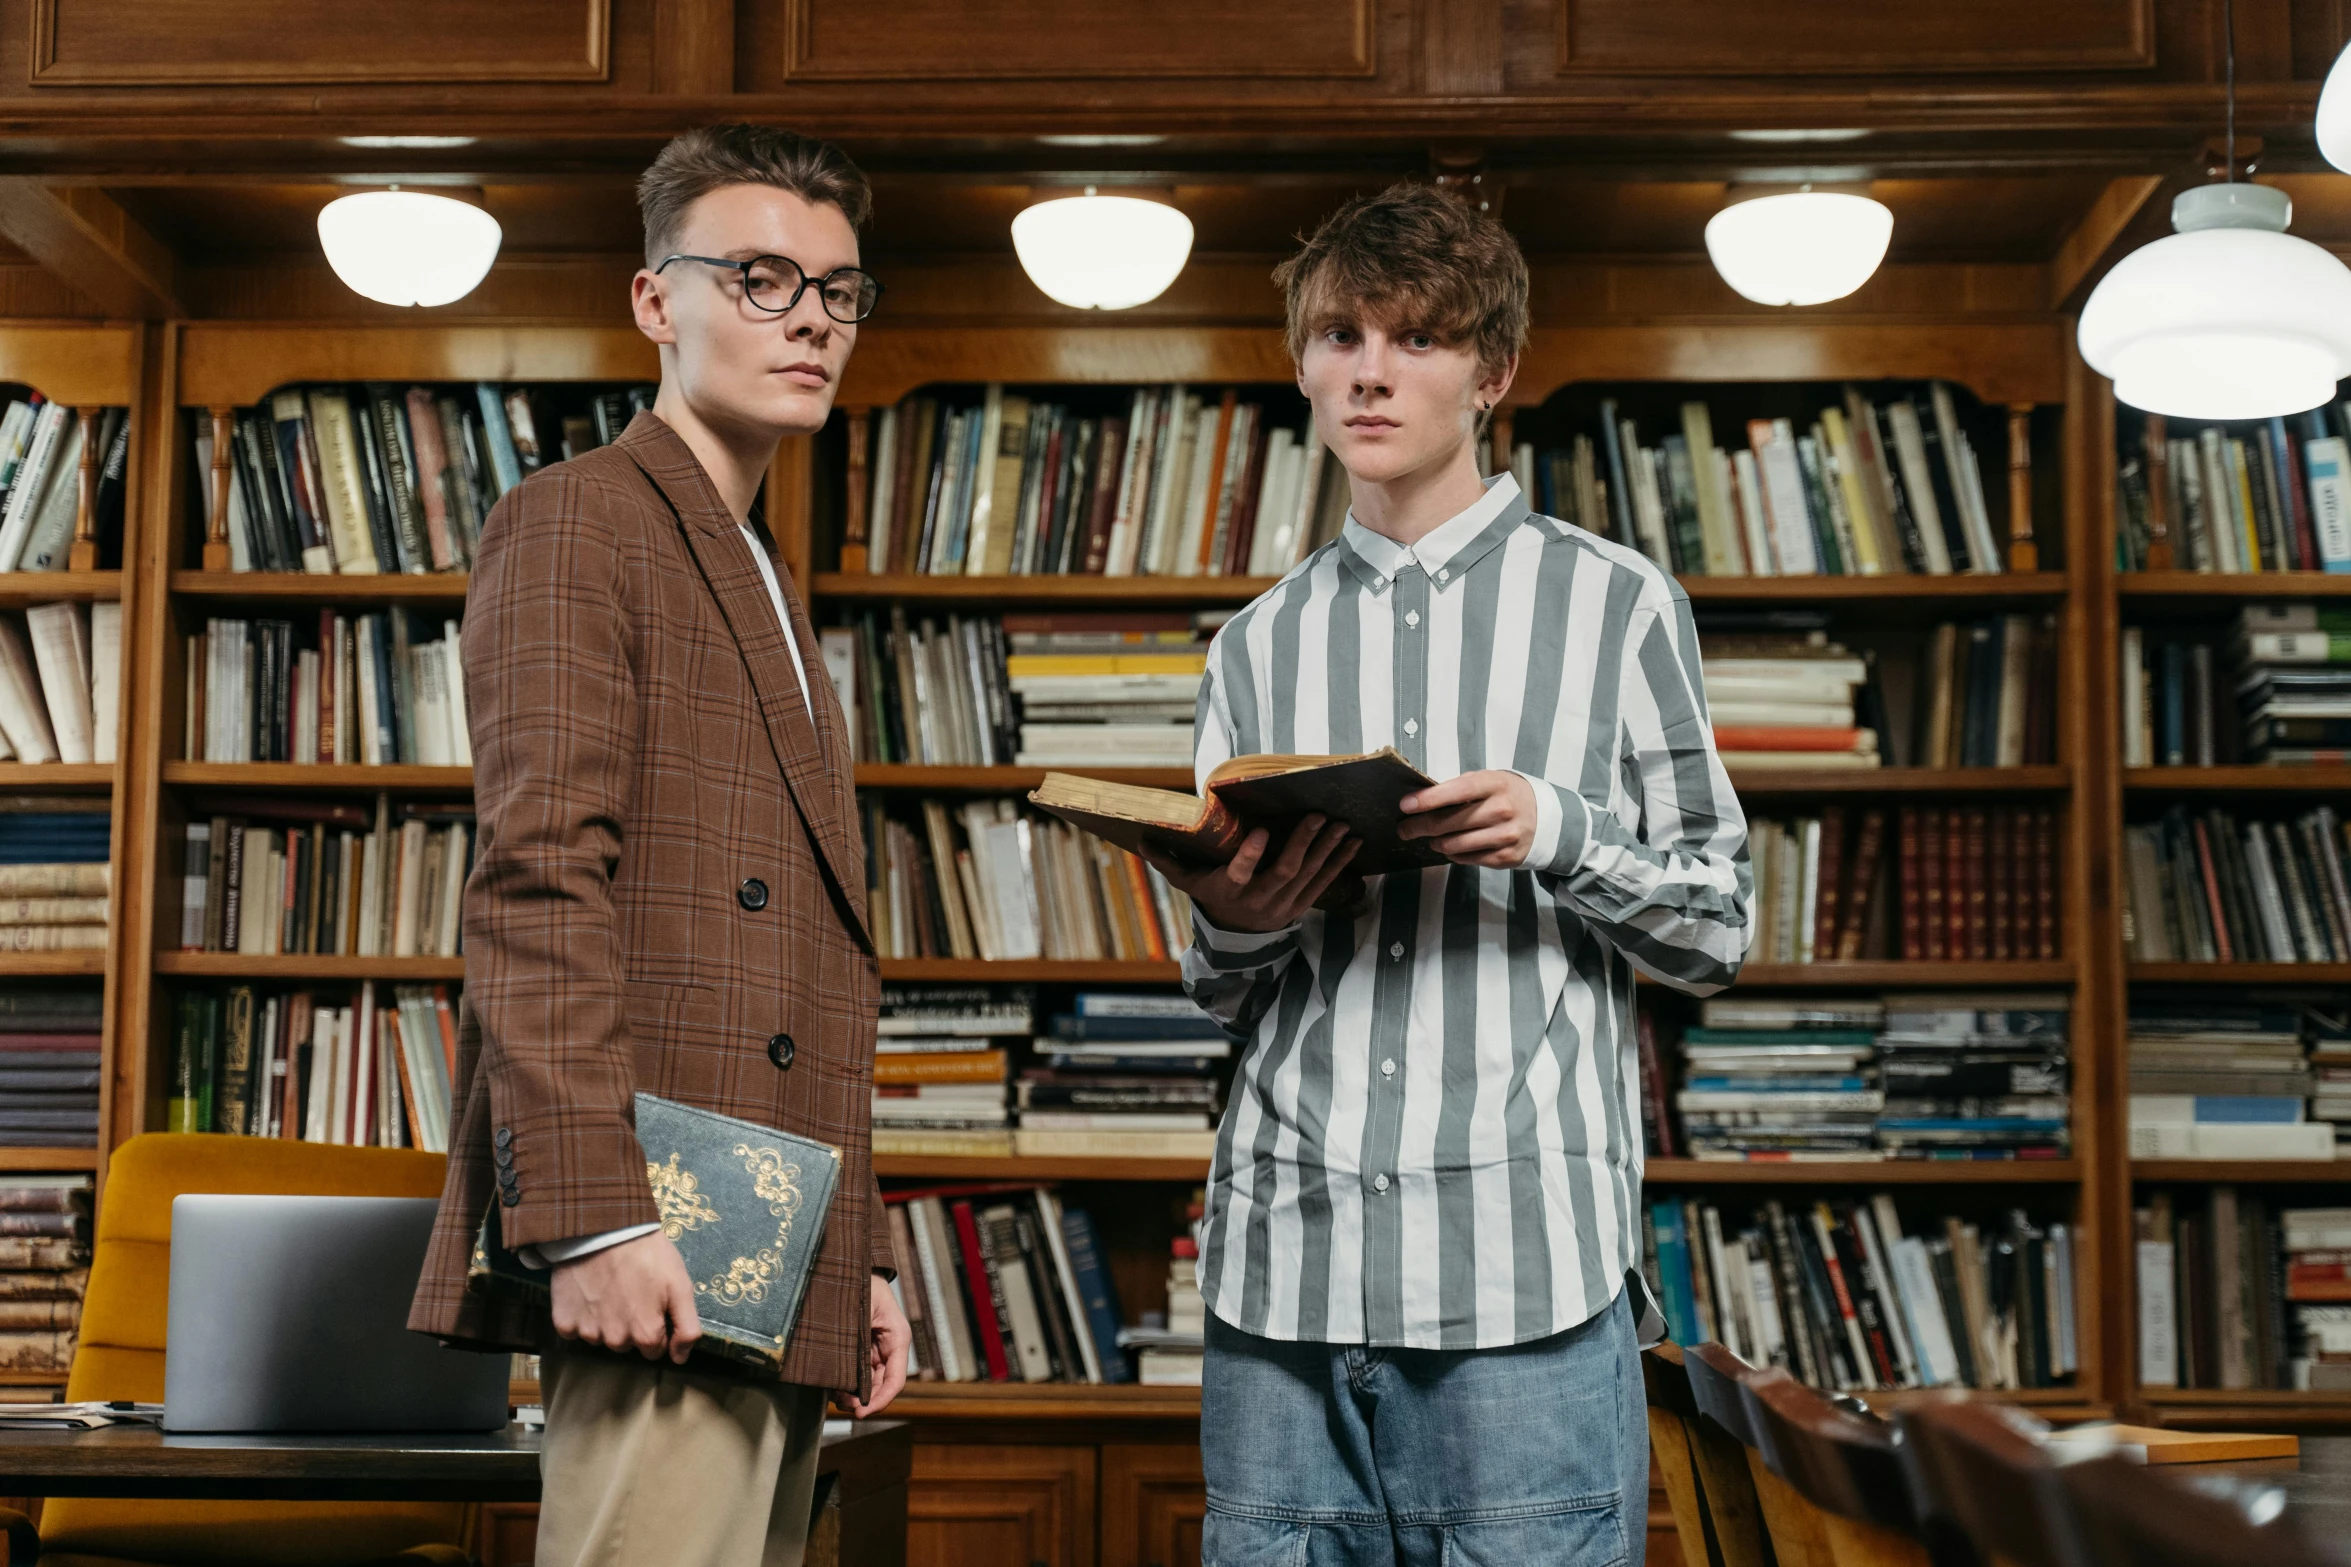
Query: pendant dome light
point(1096, 252)
point(1798, 247)
point(405, 247)
point(2230, 317)
point(2334, 113)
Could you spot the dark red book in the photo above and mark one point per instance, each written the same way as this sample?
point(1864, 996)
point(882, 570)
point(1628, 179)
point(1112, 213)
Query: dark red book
point(1934, 928)
point(1104, 509)
point(1244, 528)
point(1911, 890)
point(2207, 871)
point(2045, 881)
point(1979, 925)
point(983, 1301)
point(2306, 556)
point(1868, 849)
point(1655, 1109)
point(2001, 870)
point(1831, 867)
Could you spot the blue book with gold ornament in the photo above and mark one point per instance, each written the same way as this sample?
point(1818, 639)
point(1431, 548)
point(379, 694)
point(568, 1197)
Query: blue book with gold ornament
point(744, 1204)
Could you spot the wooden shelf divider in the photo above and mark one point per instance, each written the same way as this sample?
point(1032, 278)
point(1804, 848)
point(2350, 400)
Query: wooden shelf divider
point(308, 965)
point(312, 587)
point(317, 776)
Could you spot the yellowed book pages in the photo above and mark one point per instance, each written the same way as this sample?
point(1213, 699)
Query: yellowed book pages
point(1851, 485)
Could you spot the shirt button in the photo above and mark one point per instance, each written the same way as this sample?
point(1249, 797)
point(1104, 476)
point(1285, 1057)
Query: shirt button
point(1379, 1183)
point(1388, 1068)
point(1412, 726)
point(1395, 949)
point(1444, 576)
point(1412, 617)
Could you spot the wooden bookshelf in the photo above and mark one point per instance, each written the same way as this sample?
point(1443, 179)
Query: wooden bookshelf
point(2132, 585)
point(2237, 780)
point(2242, 1172)
point(281, 590)
point(1906, 588)
point(309, 965)
point(1861, 1172)
point(326, 777)
point(56, 777)
point(18, 589)
point(1072, 592)
point(2240, 973)
point(978, 1167)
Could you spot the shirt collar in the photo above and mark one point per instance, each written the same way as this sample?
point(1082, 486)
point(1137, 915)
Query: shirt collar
point(1446, 551)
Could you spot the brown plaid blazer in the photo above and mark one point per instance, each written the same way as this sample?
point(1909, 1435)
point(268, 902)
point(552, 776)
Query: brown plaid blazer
point(668, 889)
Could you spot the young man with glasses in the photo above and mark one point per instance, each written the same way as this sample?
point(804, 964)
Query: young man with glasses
point(668, 889)
point(1424, 1210)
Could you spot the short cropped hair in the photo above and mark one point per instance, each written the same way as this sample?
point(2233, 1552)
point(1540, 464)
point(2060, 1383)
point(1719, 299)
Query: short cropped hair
point(1413, 255)
point(716, 156)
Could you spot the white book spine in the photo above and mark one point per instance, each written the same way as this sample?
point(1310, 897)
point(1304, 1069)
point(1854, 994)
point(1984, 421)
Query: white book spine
point(460, 735)
point(23, 715)
point(62, 655)
point(106, 679)
point(2330, 499)
point(31, 479)
point(1754, 515)
point(884, 492)
point(2159, 1348)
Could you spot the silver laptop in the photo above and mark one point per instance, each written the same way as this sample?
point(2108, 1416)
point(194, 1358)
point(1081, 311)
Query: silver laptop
point(291, 1314)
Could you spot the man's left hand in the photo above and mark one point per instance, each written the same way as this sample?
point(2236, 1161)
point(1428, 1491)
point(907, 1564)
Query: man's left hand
point(1484, 818)
point(885, 1351)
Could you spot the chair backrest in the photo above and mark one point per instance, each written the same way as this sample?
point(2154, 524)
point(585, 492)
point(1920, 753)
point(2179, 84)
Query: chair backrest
point(1715, 1375)
point(1707, 1483)
point(1981, 1466)
point(1845, 1467)
point(2153, 1518)
point(120, 1356)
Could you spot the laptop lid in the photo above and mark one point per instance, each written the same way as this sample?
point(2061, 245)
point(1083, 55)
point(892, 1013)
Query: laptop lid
point(291, 1314)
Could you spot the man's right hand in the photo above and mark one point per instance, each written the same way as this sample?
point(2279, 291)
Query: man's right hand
point(1248, 893)
point(632, 1296)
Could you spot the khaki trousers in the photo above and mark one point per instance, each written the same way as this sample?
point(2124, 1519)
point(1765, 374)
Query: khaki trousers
point(651, 1462)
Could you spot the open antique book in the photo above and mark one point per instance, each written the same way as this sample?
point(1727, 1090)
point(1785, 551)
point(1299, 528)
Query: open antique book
point(1248, 792)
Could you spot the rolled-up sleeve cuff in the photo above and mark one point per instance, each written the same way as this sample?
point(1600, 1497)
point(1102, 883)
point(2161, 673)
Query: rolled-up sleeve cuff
point(1239, 949)
point(548, 1253)
point(1563, 825)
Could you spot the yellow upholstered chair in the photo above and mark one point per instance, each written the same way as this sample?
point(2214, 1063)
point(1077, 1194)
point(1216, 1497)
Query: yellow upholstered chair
point(121, 1356)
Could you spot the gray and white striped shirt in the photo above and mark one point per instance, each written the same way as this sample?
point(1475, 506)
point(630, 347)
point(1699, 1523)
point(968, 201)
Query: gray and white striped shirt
point(1434, 1138)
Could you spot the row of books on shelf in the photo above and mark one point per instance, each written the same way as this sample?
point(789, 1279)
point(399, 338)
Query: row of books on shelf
point(61, 682)
point(1002, 1283)
point(50, 1068)
point(2211, 886)
point(2237, 1291)
point(2276, 690)
point(1080, 689)
point(41, 448)
point(1119, 1074)
point(380, 478)
point(2257, 1077)
point(2269, 495)
point(988, 879)
point(1166, 481)
point(1913, 1076)
point(1865, 488)
point(1982, 694)
point(1968, 884)
point(45, 1225)
point(55, 872)
point(371, 1069)
point(1845, 1297)
point(385, 687)
point(278, 875)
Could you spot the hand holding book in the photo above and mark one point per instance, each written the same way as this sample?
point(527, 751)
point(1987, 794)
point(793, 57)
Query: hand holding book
point(1250, 893)
point(1483, 818)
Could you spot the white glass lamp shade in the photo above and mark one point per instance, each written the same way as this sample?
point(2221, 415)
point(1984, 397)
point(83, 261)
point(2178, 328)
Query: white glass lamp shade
point(405, 247)
point(2231, 318)
point(1804, 247)
point(1102, 252)
point(2334, 114)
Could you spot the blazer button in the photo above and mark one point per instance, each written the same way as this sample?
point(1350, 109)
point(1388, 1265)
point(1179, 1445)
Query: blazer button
point(780, 1050)
point(752, 894)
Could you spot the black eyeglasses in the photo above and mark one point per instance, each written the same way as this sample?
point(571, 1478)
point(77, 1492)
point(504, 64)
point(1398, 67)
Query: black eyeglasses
point(775, 284)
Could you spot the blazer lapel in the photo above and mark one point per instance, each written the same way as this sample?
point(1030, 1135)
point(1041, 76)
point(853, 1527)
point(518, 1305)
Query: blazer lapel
point(808, 744)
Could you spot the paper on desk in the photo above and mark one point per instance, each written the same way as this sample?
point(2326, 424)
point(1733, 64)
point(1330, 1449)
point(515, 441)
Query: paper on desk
point(88, 1415)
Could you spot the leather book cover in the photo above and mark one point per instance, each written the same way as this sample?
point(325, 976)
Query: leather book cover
point(1910, 891)
point(1104, 509)
point(2000, 871)
point(2045, 882)
point(1933, 927)
point(1979, 928)
point(1832, 868)
point(1868, 849)
point(744, 1204)
point(1247, 793)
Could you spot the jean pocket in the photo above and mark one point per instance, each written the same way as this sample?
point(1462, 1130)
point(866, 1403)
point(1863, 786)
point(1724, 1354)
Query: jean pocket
point(1591, 1535)
point(1244, 1540)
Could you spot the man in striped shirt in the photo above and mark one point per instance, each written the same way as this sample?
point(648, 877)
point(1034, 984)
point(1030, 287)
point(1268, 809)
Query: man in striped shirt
point(1423, 1218)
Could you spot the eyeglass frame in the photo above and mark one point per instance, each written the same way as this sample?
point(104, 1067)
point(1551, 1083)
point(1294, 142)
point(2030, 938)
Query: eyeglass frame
point(744, 269)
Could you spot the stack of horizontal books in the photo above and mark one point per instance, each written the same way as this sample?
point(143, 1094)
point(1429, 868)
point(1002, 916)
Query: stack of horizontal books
point(940, 1064)
point(1792, 1079)
point(54, 872)
point(2217, 1079)
point(44, 1269)
point(49, 1067)
point(1126, 1075)
point(1784, 699)
point(1976, 1076)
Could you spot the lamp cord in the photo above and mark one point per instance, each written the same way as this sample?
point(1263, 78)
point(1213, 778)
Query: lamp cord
point(2228, 13)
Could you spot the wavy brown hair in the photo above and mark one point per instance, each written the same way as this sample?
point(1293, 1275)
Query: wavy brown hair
point(1412, 256)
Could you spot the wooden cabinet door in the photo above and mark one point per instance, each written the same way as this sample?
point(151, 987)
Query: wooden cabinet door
point(975, 1506)
point(1153, 1499)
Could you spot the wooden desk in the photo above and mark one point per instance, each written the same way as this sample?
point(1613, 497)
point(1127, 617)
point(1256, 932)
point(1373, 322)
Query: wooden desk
point(2317, 1485)
point(873, 1461)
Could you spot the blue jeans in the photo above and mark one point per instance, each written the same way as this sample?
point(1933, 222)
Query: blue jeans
point(1338, 1455)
